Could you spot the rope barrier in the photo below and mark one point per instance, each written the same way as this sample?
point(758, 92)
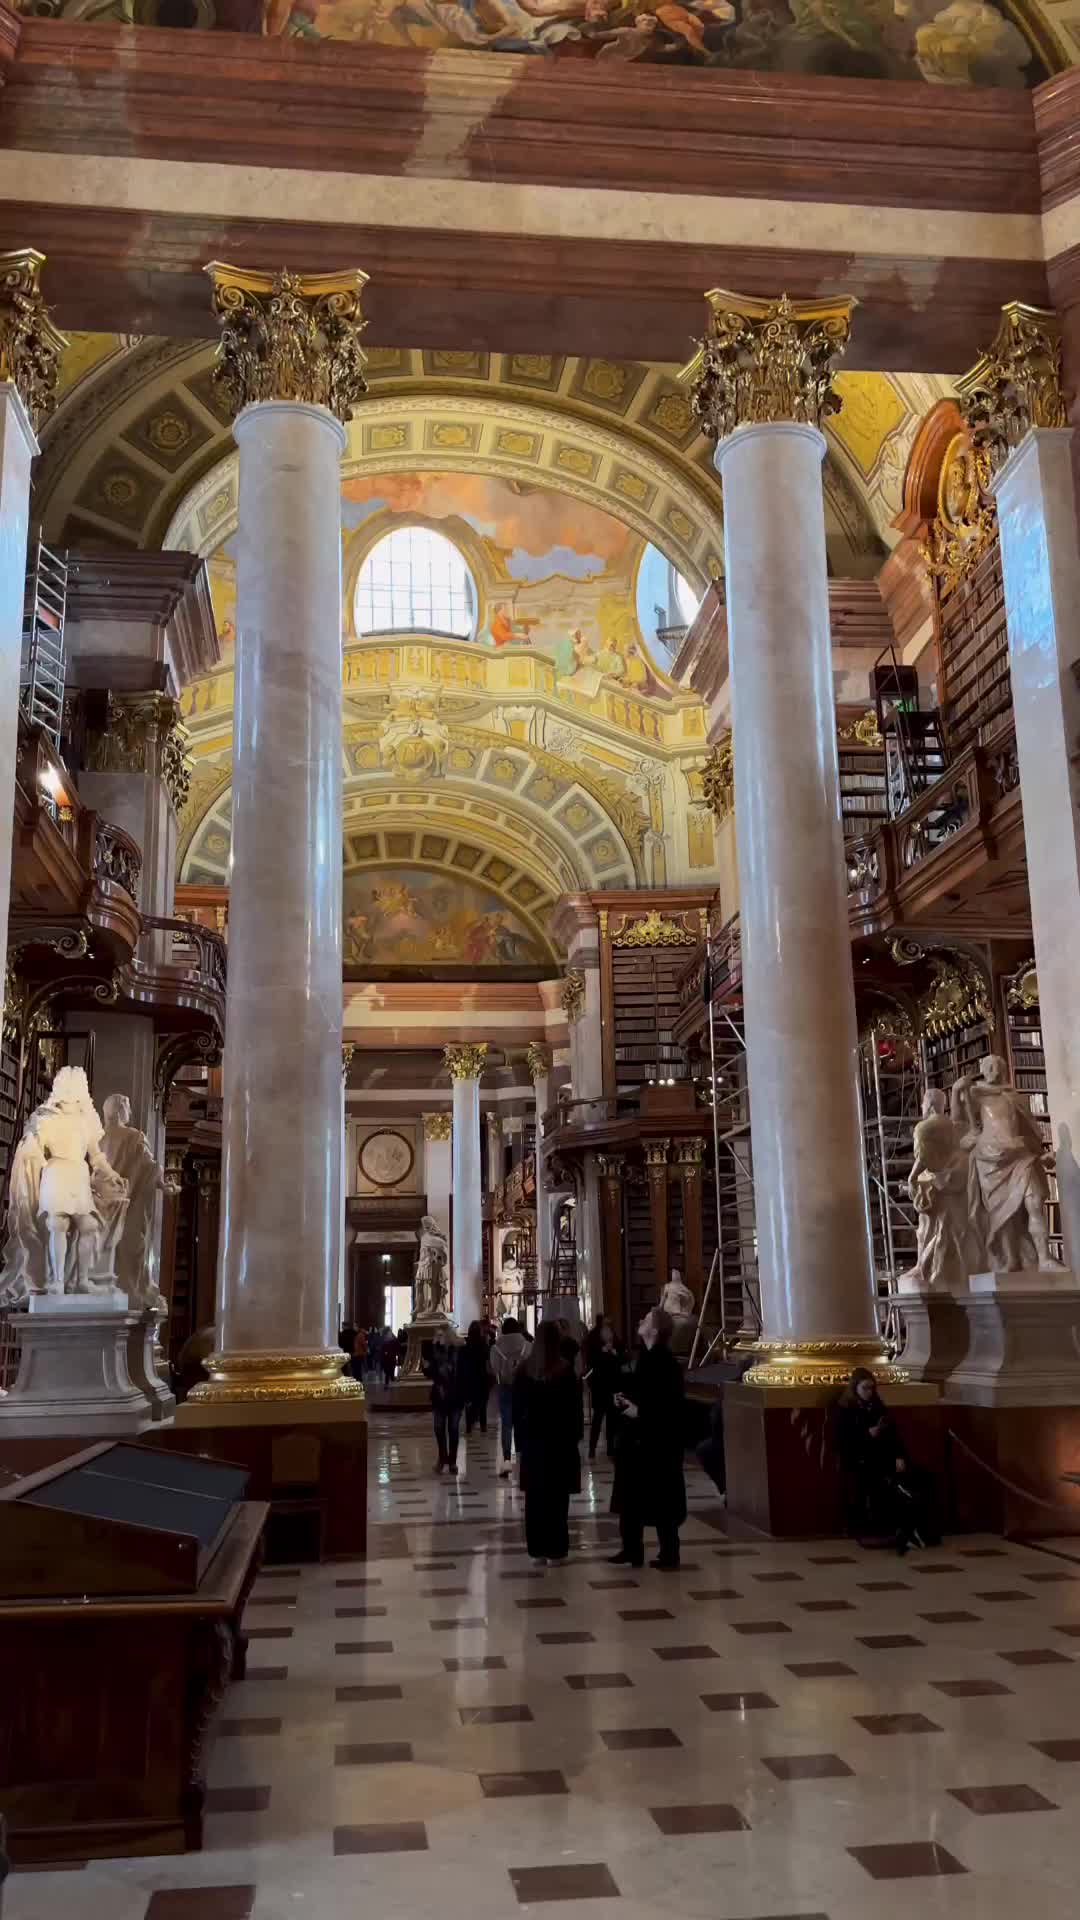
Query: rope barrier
point(1051, 1506)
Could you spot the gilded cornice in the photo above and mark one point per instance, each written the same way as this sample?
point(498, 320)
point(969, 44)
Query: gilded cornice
point(288, 336)
point(767, 361)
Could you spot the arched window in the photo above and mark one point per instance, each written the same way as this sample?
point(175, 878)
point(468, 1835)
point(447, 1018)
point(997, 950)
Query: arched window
point(415, 579)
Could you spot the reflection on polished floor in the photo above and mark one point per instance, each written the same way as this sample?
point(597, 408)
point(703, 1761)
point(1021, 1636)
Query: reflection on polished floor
point(774, 1733)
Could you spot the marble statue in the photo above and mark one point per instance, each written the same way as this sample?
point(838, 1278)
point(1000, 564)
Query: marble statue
point(938, 1186)
point(1007, 1183)
point(430, 1289)
point(129, 1222)
point(677, 1298)
point(60, 1182)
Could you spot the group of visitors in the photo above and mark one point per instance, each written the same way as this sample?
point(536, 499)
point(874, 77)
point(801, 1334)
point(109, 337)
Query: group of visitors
point(375, 1353)
point(540, 1386)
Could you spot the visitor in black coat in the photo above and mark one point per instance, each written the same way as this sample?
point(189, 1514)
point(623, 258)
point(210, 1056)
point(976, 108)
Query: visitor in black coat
point(441, 1365)
point(474, 1366)
point(547, 1421)
point(650, 1489)
point(889, 1497)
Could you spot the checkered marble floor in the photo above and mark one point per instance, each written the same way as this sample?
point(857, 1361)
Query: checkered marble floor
point(774, 1733)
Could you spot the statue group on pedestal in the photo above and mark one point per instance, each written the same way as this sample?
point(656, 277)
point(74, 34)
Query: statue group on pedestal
point(81, 1201)
point(979, 1183)
point(430, 1283)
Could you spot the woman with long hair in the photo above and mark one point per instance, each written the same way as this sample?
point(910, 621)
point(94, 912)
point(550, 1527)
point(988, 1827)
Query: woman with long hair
point(650, 1488)
point(475, 1366)
point(547, 1418)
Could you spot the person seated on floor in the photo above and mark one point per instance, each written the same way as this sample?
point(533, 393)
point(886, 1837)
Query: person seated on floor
point(650, 1487)
point(889, 1497)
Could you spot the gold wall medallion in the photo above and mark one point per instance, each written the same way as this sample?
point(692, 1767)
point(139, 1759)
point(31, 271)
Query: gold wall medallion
point(767, 361)
point(30, 346)
point(654, 931)
point(467, 1062)
point(289, 336)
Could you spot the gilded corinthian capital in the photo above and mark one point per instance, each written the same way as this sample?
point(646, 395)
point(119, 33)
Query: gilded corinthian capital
point(465, 1063)
point(1016, 384)
point(30, 346)
point(290, 336)
point(766, 360)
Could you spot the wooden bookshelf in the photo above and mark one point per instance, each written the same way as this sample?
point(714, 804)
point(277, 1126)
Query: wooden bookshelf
point(975, 655)
point(9, 1108)
point(646, 1008)
point(949, 1055)
point(863, 795)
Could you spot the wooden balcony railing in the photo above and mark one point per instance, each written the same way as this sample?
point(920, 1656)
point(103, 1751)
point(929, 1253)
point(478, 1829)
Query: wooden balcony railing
point(198, 949)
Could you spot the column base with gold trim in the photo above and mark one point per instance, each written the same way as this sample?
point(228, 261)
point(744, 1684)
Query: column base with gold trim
point(267, 1375)
point(818, 1363)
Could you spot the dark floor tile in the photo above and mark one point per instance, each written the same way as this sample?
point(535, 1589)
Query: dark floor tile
point(695, 1652)
point(592, 1882)
point(1004, 1594)
point(1071, 1630)
point(808, 1766)
point(271, 1600)
point(237, 1799)
point(248, 1729)
point(595, 1682)
point(475, 1663)
point(373, 1753)
point(775, 1579)
point(201, 1903)
point(1052, 1579)
point(760, 1626)
point(885, 1586)
point(343, 1695)
point(714, 1593)
point(505, 1786)
point(1036, 1657)
point(940, 1566)
point(826, 1606)
point(269, 1633)
point(407, 1836)
point(913, 1860)
point(434, 1566)
point(737, 1702)
point(533, 1604)
point(278, 1573)
point(950, 1617)
point(883, 1640)
point(522, 1573)
point(643, 1613)
point(364, 1646)
point(738, 1553)
point(493, 1716)
point(362, 1581)
point(831, 1560)
point(1017, 1799)
point(613, 1586)
point(820, 1669)
point(718, 1818)
point(969, 1689)
point(51, 1866)
point(565, 1639)
point(886, 1723)
point(638, 1739)
point(266, 1673)
point(365, 1613)
point(440, 1593)
point(1067, 1751)
point(982, 1553)
point(466, 1620)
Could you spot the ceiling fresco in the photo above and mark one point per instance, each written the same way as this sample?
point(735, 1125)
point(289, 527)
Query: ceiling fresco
point(982, 43)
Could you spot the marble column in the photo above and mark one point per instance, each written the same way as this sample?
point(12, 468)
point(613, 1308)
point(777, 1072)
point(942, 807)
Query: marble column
point(438, 1173)
point(763, 382)
point(30, 350)
point(465, 1065)
point(1007, 398)
point(290, 359)
point(539, 1059)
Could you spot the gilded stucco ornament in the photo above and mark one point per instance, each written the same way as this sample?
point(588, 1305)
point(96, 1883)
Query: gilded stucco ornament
point(289, 336)
point(30, 346)
point(818, 1363)
point(539, 1060)
point(311, 1374)
point(138, 726)
point(572, 995)
point(1016, 384)
point(718, 778)
point(766, 360)
point(654, 931)
point(438, 1126)
point(467, 1062)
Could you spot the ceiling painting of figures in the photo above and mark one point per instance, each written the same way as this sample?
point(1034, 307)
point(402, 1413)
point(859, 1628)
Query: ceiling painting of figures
point(408, 917)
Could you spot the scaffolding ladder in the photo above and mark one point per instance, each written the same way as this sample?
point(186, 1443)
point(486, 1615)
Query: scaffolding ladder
point(42, 664)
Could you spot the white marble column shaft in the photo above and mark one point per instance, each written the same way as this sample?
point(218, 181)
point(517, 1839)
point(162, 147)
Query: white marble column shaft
point(1040, 562)
point(813, 1250)
point(282, 1117)
point(438, 1179)
point(17, 449)
point(467, 1253)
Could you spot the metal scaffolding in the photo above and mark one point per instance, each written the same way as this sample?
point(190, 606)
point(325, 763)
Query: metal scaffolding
point(43, 663)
